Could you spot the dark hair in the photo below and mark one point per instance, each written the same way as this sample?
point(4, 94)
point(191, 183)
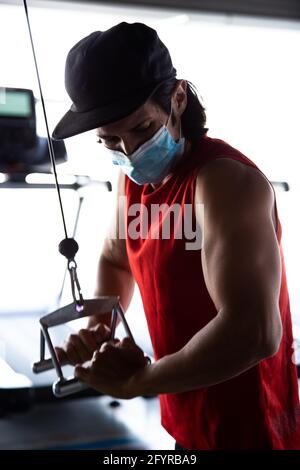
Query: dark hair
point(193, 119)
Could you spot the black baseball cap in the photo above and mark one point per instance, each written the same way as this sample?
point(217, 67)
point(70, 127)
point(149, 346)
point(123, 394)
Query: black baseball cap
point(109, 74)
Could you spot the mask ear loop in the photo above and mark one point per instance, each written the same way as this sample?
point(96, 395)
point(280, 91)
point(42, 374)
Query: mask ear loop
point(180, 127)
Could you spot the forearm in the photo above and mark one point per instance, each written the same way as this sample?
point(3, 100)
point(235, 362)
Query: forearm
point(112, 280)
point(218, 352)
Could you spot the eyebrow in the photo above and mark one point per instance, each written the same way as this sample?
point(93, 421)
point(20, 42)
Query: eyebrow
point(105, 136)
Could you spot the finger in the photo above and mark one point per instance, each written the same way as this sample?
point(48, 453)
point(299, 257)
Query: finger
point(88, 339)
point(61, 356)
point(115, 341)
point(82, 373)
point(127, 342)
point(81, 350)
point(73, 357)
point(101, 333)
point(96, 356)
point(107, 346)
point(132, 351)
point(86, 375)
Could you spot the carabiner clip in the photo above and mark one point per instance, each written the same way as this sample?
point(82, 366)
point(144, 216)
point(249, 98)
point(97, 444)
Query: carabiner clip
point(75, 286)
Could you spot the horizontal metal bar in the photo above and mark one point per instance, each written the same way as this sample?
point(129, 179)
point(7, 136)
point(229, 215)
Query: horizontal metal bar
point(62, 388)
point(42, 366)
point(97, 306)
point(73, 186)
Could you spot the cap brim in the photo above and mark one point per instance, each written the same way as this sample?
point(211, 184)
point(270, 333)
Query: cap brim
point(74, 123)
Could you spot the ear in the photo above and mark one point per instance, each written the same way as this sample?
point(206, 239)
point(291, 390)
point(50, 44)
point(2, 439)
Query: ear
point(179, 98)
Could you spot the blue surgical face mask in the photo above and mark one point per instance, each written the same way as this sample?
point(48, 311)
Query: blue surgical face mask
point(153, 160)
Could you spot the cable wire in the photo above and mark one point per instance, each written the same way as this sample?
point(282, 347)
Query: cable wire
point(50, 145)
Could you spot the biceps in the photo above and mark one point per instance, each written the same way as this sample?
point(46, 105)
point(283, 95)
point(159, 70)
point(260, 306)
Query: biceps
point(242, 267)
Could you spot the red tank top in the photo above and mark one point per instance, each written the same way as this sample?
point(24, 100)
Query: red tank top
point(259, 409)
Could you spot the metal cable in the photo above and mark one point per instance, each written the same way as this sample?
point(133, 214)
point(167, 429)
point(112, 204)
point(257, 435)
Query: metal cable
point(50, 145)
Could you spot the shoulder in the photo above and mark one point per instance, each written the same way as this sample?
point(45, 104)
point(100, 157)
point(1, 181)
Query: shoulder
point(227, 181)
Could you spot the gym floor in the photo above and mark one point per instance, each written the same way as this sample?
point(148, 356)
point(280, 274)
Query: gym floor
point(88, 423)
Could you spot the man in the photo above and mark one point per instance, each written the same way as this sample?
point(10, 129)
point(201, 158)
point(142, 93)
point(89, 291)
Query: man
point(218, 312)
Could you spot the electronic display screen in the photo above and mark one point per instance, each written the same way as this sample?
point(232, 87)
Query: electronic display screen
point(15, 103)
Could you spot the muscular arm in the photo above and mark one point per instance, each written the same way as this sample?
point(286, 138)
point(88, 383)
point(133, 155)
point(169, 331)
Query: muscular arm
point(242, 270)
point(114, 276)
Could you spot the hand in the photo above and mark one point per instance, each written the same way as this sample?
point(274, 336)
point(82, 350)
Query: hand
point(112, 367)
point(80, 347)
